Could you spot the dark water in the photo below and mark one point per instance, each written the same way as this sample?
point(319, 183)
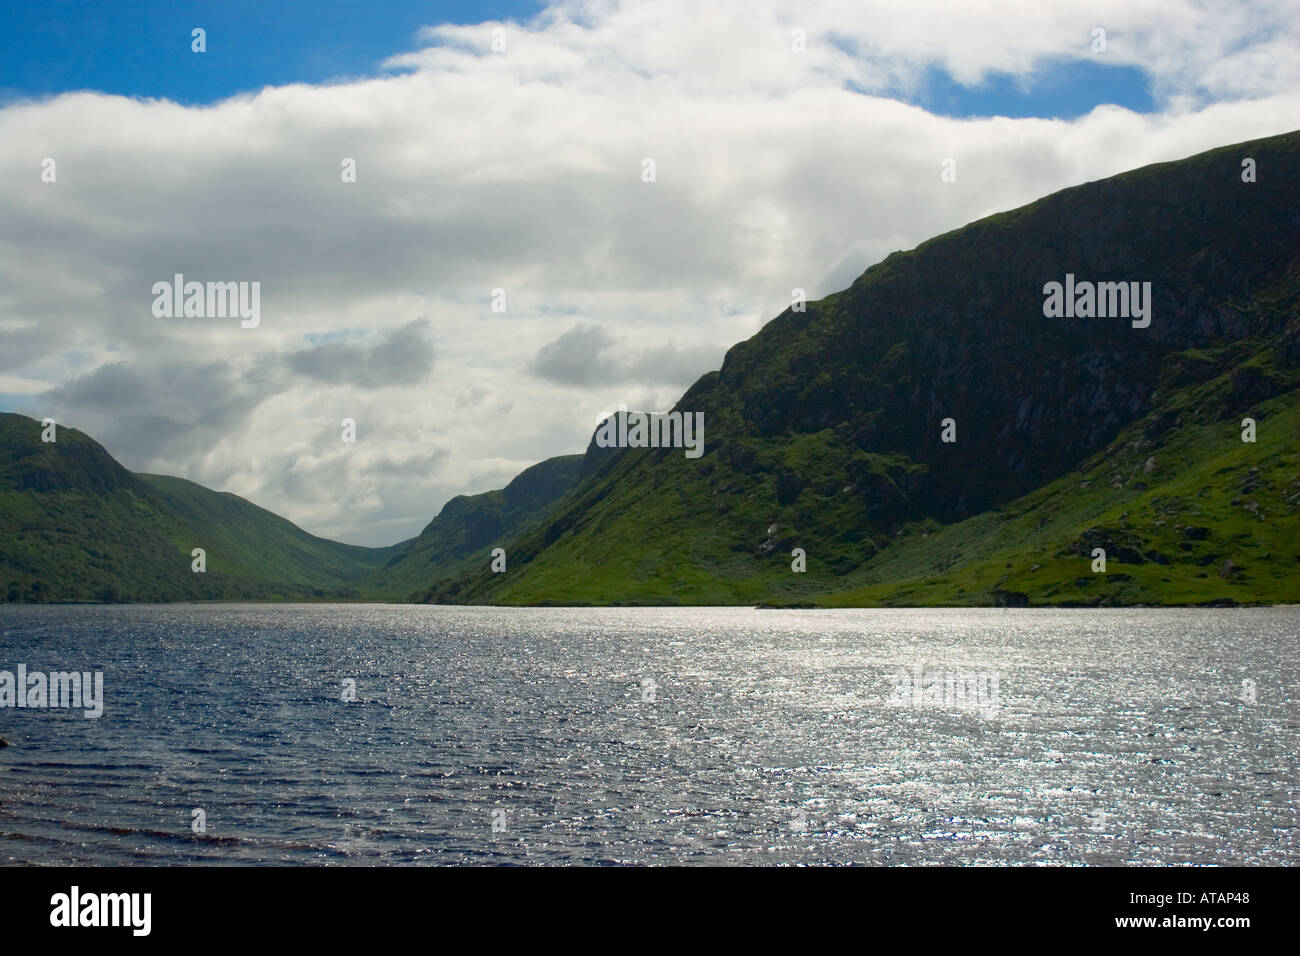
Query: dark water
point(767, 737)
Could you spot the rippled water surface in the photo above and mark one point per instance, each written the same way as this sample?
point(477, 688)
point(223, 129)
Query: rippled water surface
point(484, 735)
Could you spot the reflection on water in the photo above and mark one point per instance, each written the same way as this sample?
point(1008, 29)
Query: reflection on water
point(482, 735)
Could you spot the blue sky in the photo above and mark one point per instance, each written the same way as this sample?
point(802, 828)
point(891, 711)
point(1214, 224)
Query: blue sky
point(1063, 90)
point(142, 48)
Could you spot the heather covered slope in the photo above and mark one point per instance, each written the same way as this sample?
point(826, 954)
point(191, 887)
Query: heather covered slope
point(823, 430)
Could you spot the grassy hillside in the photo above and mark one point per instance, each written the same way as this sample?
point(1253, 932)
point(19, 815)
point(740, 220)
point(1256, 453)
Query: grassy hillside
point(255, 541)
point(77, 526)
point(1197, 517)
point(469, 527)
point(824, 433)
point(823, 430)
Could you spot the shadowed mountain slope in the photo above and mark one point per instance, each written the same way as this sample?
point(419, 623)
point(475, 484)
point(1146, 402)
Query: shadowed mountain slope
point(824, 430)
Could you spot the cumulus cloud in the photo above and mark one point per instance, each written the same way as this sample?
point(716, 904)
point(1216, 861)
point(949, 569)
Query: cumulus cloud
point(590, 355)
point(522, 171)
point(141, 412)
point(400, 356)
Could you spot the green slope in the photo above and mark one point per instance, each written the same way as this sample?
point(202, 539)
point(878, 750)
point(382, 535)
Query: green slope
point(1197, 517)
point(469, 526)
point(259, 543)
point(823, 430)
point(77, 526)
point(823, 433)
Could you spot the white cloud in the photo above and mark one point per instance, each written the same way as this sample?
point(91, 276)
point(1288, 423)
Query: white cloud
point(522, 171)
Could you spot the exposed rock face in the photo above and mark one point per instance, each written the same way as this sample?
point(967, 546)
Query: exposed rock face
point(1229, 569)
point(956, 329)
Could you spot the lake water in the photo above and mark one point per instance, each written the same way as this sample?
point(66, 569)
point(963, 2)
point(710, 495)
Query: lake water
point(683, 736)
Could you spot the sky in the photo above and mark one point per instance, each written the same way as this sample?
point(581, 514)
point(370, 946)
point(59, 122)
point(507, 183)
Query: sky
point(501, 273)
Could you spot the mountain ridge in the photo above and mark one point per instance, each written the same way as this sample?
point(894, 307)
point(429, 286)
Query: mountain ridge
point(944, 331)
point(78, 526)
point(825, 433)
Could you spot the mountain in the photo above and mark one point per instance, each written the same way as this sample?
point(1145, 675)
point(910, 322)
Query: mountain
point(469, 526)
point(825, 430)
point(77, 526)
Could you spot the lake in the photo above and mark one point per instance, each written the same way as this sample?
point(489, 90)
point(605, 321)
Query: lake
point(643, 735)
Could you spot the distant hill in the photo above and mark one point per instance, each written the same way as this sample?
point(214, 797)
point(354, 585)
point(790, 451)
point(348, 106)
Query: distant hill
point(463, 534)
point(77, 526)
